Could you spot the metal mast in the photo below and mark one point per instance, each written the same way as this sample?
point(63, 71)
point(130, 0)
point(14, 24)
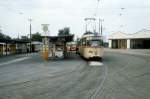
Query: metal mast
point(30, 20)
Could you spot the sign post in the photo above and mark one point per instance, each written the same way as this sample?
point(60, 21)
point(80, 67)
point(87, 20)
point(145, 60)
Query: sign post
point(45, 52)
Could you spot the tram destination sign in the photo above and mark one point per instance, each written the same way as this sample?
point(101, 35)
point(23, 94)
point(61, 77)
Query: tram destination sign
point(94, 38)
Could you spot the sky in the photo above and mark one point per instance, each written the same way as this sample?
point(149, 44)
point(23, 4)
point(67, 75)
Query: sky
point(128, 16)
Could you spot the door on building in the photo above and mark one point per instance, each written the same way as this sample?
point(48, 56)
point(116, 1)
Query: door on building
point(140, 43)
point(122, 44)
point(146, 44)
point(114, 43)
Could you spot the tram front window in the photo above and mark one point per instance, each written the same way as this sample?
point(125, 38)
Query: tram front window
point(94, 43)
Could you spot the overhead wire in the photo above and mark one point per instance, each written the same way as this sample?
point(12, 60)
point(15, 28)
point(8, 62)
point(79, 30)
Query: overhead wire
point(96, 9)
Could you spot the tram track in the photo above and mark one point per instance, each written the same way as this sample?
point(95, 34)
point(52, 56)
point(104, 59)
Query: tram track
point(100, 83)
point(70, 80)
point(53, 75)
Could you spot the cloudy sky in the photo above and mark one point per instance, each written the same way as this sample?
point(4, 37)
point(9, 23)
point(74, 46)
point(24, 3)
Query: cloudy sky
point(71, 13)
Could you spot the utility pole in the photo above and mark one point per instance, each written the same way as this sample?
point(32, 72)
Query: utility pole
point(30, 20)
point(101, 26)
point(85, 27)
point(18, 36)
point(0, 29)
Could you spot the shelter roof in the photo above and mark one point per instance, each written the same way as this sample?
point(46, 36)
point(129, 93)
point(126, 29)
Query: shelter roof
point(65, 38)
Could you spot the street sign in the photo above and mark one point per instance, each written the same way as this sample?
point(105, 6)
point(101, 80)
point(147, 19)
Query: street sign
point(45, 27)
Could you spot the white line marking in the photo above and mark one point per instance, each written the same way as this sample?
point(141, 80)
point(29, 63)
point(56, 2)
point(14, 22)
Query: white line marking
point(14, 61)
point(94, 63)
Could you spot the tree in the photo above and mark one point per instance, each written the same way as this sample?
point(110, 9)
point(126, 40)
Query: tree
point(61, 32)
point(64, 31)
point(25, 38)
point(3, 36)
point(36, 37)
point(7, 37)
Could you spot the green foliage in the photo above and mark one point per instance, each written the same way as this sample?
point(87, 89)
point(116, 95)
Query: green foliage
point(36, 37)
point(7, 37)
point(3, 36)
point(64, 31)
point(61, 32)
point(25, 38)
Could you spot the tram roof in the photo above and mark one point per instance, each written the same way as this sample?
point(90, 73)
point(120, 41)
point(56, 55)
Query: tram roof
point(91, 35)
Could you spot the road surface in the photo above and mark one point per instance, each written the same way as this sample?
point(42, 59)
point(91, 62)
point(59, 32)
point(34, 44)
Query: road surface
point(122, 76)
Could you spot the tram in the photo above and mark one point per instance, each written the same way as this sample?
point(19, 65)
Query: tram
point(91, 46)
point(71, 46)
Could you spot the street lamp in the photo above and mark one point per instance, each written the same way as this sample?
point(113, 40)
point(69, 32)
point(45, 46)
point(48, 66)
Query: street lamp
point(101, 26)
point(0, 29)
point(30, 20)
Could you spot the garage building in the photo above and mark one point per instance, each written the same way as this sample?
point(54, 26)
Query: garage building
point(139, 40)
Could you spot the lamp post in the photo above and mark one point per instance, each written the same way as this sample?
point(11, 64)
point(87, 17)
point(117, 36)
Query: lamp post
point(0, 29)
point(101, 26)
point(30, 30)
point(30, 20)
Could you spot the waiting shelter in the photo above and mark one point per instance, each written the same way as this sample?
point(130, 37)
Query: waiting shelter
point(12, 46)
point(56, 45)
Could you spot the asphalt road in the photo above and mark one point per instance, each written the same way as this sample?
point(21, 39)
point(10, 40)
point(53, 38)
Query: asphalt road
point(122, 76)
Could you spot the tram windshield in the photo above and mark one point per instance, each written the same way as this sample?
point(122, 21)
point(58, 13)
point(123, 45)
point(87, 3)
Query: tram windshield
point(95, 43)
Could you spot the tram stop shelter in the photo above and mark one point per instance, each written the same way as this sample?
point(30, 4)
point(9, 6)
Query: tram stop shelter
point(13, 46)
point(56, 45)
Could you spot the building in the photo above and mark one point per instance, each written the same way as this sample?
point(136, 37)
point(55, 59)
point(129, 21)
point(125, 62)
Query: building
point(1, 48)
point(12, 47)
point(138, 40)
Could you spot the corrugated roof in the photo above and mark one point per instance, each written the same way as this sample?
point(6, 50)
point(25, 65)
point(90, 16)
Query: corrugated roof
point(140, 34)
